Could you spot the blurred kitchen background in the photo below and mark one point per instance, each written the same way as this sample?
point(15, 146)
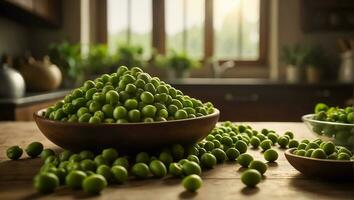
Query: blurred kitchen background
point(256, 60)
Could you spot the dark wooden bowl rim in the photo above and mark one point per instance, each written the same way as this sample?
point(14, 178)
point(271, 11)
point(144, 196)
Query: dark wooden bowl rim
point(289, 152)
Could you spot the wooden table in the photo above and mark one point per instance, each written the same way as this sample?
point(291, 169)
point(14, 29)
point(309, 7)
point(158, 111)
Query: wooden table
point(281, 180)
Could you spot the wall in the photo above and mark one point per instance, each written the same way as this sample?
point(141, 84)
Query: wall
point(13, 37)
point(290, 32)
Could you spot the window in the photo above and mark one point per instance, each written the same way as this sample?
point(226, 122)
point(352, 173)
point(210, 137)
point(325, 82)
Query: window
point(185, 26)
point(222, 29)
point(236, 29)
point(130, 22)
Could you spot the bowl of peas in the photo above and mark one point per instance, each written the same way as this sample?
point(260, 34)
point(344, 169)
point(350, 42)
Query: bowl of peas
point(128, 110)
point(332, 123)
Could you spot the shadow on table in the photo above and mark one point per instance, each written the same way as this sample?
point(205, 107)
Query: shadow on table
point(187, 195)
point(248, 191)
point(325, 188)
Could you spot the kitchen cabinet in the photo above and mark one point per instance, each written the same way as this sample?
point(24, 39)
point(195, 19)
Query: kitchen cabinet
point(263, 100)
point(33, 12)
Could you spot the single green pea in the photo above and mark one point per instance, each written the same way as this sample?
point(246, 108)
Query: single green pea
point(244, 159)
point(343, 156)
point(290, 134)
point(120, 174)
point(309, 152)
point(94, 184)
point(192, 182)
point(34, 149)
point(209, 146)
point(251, 177)
point(82, 111)
point(293, 143)
point(175, 169)
point(105, 171)
point(75, 158)
point(147, 97)
point(328, 147)
point(302, 146)
point(142, 157)
point(283, 141)
point(273, 137)
point(266, 144)
point(14, 152)
point(120, 112)
point(232, 153)
point(148, 120)
point(130, 88)
point(121, 161)
point(226, 140)
point(140, 170)
point(52, 159)
point(46, 153)
point(190, 167)
point(134, 115)
point(166, 158)
point(181, 114)
point(258, 165)
point(65, 155)
point(74, 179)
point(110, 154)
point(344, 150)
point(255, 142)
point(241, 146)
point(219, 154)
point(85, 118)
point(208, 160)
point(301, 152)
point(318, 153)
point(100, 160)
point(182, 161)
point(177, 151)
point(149, 111)
point(88, 165)
point(94, 106)
point(312, 145)
point(270, 155)
point(45, 182)
point(192, 150)
point(158, 169)
point(193, 158)
point(332, 156)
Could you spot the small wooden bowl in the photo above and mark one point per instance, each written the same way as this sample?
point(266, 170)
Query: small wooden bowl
point(127, 136)
point(321, 168)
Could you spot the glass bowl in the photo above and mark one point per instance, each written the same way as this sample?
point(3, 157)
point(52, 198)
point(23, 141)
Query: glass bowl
point(340, 133)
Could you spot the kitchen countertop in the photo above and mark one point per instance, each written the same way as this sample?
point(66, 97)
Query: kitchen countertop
point(281, 181)
point(34, 97)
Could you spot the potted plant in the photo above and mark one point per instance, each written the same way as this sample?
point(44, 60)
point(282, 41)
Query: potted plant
point(315, 61)
point(294, 58)
point(68, 58)
point(178, 64)
point(130, 56)
point(98, 61)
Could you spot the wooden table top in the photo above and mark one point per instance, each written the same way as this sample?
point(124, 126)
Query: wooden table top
point(223, 182)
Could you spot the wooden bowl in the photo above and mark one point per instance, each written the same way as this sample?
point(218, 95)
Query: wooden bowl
point(127, 136)
point(321, 168)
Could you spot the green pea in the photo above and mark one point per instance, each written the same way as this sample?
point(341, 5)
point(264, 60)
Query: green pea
point(34, 149)
point(318, 153)
point(241, 146)
point(175, 169)
point(343, 156)
point(59, 114)
point(158, 169)
point(14, 152)
point(190, 167)
point(219, 154)
point(255, 142)
point(46, 153)
point(312, 145)
point(100, 160)
point(79, 102)
point(177, 151)
point(68, 108)
point(45, 182)
point(301, 152)
point(85, 154)
point(270, 155)
point(99, 97)
point(130, 88)
point(208, 160)
point(309, 152)
point(266, 144)
point(110, 154)
point(140, 170)
point(332, 156)
point(283, 141)
point(244, 159)
point(121, 161)
point(193, 158)
point(293, 143)
point(74, 179)
point(147, 97)
point(166, 158)
point(82, 111)
point(134, 115)
point(344, 150)
point(232, 153)
point(251, 177)
point(120, 112)
point(192, 182)
point(88, 165)
point(65, 155)
point(149, 111)
point(290, 134)
point(209, 146)
point(181, 114)
point(120, 174)
point(108, 110)
point(142, 157)
point(328, 147)
point(273, 137)
point(85, 118)
point(94, 184)
point(94, 106)
point(258, 165)
point(302, 146)
point(105, 171)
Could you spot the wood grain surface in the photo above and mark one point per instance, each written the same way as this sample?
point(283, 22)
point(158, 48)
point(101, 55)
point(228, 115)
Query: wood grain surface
point(281, 180)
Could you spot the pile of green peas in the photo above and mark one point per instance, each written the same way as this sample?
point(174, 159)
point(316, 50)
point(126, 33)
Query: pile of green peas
point(323, 150)
point(343, 132)
point(129, 95)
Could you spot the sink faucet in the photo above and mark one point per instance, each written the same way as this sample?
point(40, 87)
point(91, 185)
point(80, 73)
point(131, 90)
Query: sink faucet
point(219, 69)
